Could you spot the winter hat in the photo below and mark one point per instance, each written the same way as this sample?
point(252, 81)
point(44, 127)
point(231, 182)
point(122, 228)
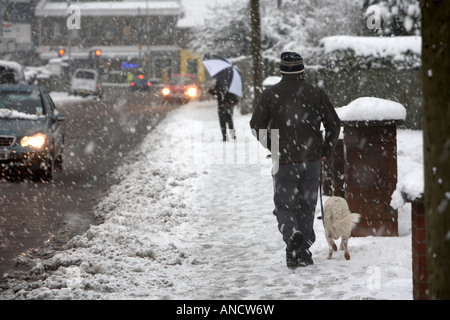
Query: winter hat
point(291, 63)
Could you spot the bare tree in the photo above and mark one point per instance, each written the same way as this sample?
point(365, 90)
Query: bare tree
point(256, 49)
point(436, 133)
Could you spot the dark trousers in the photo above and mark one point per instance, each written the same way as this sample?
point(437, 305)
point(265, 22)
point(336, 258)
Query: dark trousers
point(226, 118)
point(295, 196)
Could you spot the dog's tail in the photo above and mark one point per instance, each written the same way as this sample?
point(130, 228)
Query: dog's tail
point(346, 224)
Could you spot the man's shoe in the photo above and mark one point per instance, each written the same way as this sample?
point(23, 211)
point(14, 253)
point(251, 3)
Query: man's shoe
point(305, 262)
point(291, 259)
point(293, 250)
point(305, 258)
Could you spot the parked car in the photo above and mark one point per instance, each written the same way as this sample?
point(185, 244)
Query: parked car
point(31, 131)
point(11, 72)
point(85, 82)
point(140, 82)
point(181, 87)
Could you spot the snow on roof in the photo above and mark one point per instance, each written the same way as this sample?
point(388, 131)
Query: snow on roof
point(111, 8)
point(14, 114)
point(197, 11)
point(12, 65)
point(373, 46)
point(372, 109)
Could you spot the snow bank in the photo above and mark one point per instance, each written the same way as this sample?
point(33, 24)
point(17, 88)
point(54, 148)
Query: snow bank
point(372, 109)
point(61, 97)
point(374, 46)
point(410, 167)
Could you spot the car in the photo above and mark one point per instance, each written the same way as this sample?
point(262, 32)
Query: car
point(85, 82)
point(31, 132)
point(181, 87)
point(140, 82)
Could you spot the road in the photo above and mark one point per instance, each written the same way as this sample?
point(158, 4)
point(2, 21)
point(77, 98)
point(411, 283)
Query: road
point(38, 217)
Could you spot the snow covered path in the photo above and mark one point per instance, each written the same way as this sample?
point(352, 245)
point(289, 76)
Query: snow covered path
point(179, 226)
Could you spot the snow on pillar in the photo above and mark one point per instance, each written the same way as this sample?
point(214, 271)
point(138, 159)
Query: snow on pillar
point(370, 163)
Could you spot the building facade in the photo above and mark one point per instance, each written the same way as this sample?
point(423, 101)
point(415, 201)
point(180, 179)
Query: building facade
point(17, 23)
point(140, 33)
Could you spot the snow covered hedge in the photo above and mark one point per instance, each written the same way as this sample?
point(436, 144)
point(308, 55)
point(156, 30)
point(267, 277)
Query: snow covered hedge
point(372, 52)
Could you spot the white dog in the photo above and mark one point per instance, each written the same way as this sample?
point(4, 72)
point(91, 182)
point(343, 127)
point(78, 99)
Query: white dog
point(338, 222)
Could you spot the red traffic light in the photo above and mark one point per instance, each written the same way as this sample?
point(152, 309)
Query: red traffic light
point(61, 52)
point(97, 53)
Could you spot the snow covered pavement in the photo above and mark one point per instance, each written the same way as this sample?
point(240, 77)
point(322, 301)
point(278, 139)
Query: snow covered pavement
point(191, 221)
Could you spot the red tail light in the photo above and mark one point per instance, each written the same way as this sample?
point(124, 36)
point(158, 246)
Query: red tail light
point(149, 84)
point(132, 84)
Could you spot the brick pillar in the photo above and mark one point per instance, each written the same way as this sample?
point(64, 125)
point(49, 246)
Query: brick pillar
point(370, 152)
point(419, 251)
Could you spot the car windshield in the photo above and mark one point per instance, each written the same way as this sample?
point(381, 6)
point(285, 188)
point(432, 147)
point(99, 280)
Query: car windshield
point(181, 80)
point(14, 104)
point(85, 75)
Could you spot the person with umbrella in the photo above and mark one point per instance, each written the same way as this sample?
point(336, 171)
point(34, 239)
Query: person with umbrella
point(226, 102)
point(227, 90)
point(297, 109)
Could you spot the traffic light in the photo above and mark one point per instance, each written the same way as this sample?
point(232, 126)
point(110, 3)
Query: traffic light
point(61, 52)
point(94, 56)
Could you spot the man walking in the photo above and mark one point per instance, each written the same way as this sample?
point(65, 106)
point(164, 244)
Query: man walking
point(297, 109)
point(226, 103)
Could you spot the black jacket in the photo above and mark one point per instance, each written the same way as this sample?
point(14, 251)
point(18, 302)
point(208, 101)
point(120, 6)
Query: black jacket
point(296, 108)
point(224, 98)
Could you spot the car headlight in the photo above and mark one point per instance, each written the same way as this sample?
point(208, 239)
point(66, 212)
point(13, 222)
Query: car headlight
point(192, 92)
point(36, 141)
point(165, 91)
